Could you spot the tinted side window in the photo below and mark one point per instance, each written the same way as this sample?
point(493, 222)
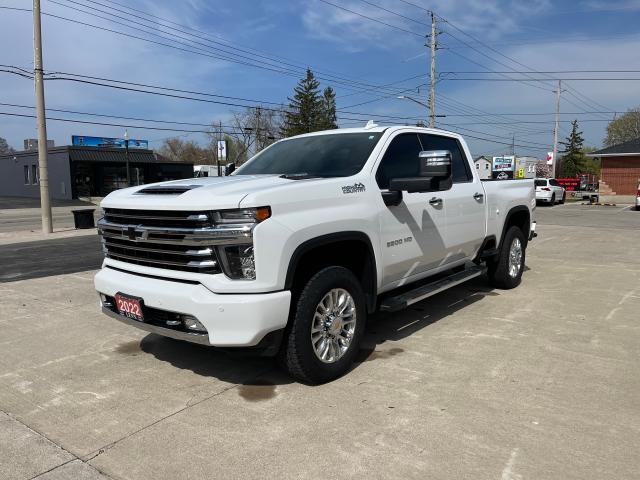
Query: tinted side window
point(400, 160)
point(459, 166)
point(554, 183)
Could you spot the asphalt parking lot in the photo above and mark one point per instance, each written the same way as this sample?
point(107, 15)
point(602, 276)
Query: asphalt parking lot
point(540, 382)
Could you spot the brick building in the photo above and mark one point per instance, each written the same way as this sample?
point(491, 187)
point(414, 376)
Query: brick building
point(620, 172)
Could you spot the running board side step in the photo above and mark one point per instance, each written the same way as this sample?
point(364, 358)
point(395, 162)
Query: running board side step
point(399, 302)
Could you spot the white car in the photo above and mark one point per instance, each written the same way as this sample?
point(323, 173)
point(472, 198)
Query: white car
point(291, 253)
point(548, 190)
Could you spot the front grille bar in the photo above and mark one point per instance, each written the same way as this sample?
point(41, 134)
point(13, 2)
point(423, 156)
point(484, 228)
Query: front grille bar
point(191, 264)
point(218, 235)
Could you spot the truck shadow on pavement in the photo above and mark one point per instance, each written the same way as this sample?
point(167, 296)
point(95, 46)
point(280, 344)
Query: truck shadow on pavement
point(383, 328)
point(258, 377)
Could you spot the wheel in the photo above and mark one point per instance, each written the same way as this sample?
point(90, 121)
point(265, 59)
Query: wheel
point(506, 270)
point(553, 200)
point(564, 197)
point(326, 327)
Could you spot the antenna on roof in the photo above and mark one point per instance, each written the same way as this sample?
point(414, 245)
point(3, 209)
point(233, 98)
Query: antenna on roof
point(371, 124)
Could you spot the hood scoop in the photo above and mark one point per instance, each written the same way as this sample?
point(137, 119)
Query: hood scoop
point(167, 189)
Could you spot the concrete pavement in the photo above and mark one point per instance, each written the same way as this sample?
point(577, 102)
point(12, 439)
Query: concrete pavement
point(538, 382)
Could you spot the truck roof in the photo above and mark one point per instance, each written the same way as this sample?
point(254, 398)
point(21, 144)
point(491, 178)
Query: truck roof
point(380, 129)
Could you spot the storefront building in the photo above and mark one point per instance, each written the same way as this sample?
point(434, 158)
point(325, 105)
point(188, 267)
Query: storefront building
point(78, 171)
point(620, 168)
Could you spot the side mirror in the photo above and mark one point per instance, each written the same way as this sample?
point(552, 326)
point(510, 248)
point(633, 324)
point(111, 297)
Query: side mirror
point(434, 174)
point(231, 167)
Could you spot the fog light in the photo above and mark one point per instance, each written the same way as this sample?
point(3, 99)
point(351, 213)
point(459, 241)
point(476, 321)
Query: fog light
point(192, 323)
point(104, 301)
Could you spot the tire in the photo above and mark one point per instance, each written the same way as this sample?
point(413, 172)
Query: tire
point(564, 197)
point(553, 200)
point(500, 274)
point(298, 356)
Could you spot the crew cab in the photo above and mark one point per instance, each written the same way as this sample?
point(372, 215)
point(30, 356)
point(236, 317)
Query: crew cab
point(291, 253)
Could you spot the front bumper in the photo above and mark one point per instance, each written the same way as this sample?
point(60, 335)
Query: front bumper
point(231, 320)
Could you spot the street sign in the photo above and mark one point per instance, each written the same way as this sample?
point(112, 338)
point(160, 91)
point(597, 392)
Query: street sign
point(549, 158)
point(222, 150)
point(505, 163)
point(521, 172)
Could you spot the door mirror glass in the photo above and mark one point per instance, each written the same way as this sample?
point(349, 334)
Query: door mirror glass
point(435, 163)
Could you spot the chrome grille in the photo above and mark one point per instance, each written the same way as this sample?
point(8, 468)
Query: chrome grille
point(168, 239)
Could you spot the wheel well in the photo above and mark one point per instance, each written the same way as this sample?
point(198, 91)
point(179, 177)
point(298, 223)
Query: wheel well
point(352, 252)
point(520, 218)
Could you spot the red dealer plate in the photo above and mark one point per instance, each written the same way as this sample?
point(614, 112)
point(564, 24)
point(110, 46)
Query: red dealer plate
point(130, 307)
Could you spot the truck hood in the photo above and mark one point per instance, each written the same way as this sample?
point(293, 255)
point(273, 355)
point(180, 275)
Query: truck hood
point(194, 193)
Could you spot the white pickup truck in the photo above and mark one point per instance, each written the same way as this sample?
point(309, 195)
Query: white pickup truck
point(291, 253)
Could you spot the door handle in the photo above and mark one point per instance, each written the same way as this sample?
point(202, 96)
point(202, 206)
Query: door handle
point(478, 196)
point(435, 201)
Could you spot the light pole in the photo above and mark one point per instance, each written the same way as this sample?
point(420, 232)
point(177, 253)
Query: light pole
point(126, 153)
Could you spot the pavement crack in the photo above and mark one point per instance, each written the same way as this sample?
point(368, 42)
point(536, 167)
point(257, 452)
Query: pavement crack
point(188, 405)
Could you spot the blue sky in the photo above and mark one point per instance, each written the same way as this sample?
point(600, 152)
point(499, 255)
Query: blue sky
point(544, 35)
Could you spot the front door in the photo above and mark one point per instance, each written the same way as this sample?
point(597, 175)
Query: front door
point(464, 202)
point(413, 232)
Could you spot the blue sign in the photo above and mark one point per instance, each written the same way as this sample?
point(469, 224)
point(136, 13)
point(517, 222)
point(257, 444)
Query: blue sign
point(82, 141)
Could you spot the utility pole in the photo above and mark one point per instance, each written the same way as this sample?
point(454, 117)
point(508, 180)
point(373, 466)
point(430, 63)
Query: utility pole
point(45, 199)
point(555, 131)
point(432, 83)
point(513, 144)
point(126, 154)
point(218, 147)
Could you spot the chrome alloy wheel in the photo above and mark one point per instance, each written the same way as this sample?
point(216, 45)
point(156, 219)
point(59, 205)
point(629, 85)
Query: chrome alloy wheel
point(334, 325)
point(515, 258)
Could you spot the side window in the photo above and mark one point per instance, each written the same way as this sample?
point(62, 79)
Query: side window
point(460, 165)
point(554, 183)
point(400, 159)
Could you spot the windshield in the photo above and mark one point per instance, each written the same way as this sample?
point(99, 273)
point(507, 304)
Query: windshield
point(541, 183)
point(331, 155)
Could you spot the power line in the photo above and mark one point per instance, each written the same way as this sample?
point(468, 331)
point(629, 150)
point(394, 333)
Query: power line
point(270, 64)
point(395, 13)
point(373, 19)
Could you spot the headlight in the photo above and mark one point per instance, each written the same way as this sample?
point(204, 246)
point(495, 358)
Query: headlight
point(238, 261)
point(242, 215)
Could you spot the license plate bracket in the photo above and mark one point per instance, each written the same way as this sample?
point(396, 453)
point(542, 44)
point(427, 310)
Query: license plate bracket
point(129, 306)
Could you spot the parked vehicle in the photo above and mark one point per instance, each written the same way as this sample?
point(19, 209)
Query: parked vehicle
point(290, 254)
point(548, 190)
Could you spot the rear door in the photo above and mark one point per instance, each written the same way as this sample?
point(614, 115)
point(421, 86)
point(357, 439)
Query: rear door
point(464, 203)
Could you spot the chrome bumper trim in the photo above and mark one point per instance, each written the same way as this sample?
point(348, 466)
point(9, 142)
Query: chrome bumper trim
point(199, 338)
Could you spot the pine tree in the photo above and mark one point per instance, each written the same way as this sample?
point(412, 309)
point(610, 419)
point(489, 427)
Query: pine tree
point(329, 119)
point(573, 157)
point(304, 112)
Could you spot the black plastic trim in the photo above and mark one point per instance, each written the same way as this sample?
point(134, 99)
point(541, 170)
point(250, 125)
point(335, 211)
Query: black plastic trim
point(302, 249)
point(513, 211)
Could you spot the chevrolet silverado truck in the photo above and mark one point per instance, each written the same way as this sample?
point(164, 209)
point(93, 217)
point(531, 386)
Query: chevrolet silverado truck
point(292, 252)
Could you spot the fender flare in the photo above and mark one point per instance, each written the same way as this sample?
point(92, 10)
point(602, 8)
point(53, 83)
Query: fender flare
point(514, 210)
point(369, 281)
